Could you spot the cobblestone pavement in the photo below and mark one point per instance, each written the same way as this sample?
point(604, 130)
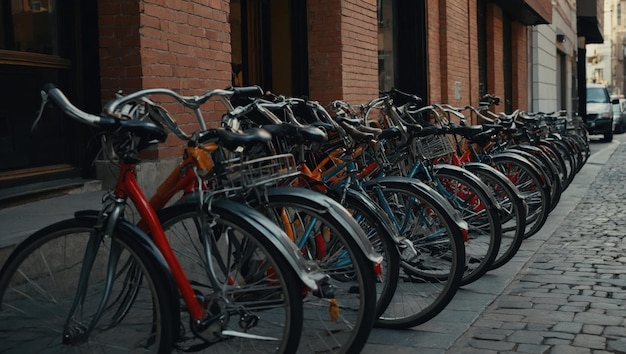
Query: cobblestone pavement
point(570, 298)
point(563, 293)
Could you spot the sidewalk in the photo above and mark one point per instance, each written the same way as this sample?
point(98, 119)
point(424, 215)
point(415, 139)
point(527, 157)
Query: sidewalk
point(562, 293)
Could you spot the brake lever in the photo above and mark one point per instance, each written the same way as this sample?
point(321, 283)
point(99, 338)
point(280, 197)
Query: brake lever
point(44, 102)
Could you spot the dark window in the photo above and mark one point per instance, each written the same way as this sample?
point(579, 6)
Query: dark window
point(269, 45)
point(402, 53)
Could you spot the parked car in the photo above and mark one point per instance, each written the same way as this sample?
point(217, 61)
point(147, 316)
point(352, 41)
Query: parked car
point(599, 117)
point(619, 115)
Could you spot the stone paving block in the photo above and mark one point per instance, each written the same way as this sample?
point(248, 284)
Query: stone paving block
point(491, 345)
point(559, 335)
point(616, 345)
point(567, 349)
point(568, 308)
point(539, 326)
point(546, 307)
point(514, 325)
point(533, 348)
point(492, 333)
point(528, 337)
point(614, 331)
point(590, 341)
point(557, 341)
point(599, 319)
point(568, 327)
point(593, 329)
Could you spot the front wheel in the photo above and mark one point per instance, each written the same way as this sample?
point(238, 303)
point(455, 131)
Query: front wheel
point(326, 233)
point(432, 253)
point(122, 304)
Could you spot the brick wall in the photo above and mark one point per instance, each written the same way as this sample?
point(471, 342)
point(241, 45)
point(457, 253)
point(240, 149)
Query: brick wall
point(495, 65)
point(181, 45)
point(360, 50)
point(342, 50)
point(520, 66)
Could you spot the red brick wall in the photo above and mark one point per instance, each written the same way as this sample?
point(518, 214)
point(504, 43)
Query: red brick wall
point(495, 64)
point(325, 57)
point(452, 51)
point(180, 45)
point(520, 66)
point(343, 49)
point(360, 50)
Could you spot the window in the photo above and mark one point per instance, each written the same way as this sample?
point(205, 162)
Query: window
point(30, 26)
point(402, 54)
point(31, 33)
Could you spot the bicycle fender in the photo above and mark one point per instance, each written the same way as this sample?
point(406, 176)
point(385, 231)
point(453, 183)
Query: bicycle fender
point(522, 160)
point(365, 201)
point(142, 237)
point(309, 272)
point(452, 169)
point(399, 182)
point(479, 166)
point(325, 204)
point(146, 242)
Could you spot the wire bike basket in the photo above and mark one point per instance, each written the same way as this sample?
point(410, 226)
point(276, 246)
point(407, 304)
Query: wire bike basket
point(434, 146)
point(248, 174)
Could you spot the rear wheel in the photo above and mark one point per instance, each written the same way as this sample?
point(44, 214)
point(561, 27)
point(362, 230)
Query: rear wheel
point(244, 281)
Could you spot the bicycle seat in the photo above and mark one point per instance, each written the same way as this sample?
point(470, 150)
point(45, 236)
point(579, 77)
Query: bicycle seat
point(351, 121)
point(466, 131)
point(245, 95)
point(146, 131)
point(390, 133)
point(232, 140)
point(357, 135)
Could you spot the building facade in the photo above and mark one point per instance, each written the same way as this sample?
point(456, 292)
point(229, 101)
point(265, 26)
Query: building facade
point(451, 51)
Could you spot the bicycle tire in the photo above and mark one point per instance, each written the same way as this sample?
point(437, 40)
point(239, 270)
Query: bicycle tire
point(546, 167)
point(52, 259)
point(255, 282)
point(478, 207)
point(351, 271)
point(512, 210)
point(530, 183)
point(430, 276)
point(379, 231)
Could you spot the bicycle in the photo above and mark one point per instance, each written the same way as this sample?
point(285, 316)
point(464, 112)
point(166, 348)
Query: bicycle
point(305, 216)
point(466, 192)
point(120, 287)
point(426, 231)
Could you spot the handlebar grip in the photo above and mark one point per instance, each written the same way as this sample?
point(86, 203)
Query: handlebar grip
point(61, 101)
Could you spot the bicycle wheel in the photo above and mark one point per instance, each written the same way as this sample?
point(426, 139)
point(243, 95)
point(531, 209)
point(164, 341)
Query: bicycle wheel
point(512, 210)
point(326, 233)
point(432, 256)
point(383, 238)
point(531, 184)
point(53, 299)
point(480, 210)
point(543, 164)
point(250, 290)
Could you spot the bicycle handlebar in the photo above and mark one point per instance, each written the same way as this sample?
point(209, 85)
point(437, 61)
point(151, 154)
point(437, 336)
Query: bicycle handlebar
point(112, 107)
point(50, 92)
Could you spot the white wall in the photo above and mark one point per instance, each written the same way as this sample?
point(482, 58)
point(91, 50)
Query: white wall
point(543, 51)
